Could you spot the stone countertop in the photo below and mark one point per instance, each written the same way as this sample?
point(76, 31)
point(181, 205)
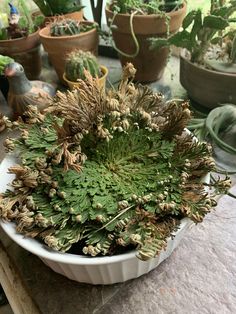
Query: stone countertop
point(199, 277)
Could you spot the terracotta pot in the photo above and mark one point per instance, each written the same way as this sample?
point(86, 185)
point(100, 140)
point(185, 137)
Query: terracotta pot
point(101, 80)
point(150, 64)
point(59, 47)
point(25, 51)
point(206, 87)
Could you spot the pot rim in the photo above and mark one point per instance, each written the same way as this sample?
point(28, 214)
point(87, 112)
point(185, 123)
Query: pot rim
point(147, 16)
point(103, 68)
point(42, 251)
point(202, 68)
point(15, 40)
point(47, 30)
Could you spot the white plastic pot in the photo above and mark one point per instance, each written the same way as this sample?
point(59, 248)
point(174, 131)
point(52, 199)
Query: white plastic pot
point(93, 270)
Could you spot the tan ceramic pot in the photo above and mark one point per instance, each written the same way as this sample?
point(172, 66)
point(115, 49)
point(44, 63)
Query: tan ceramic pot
point(59, 47)
point(25, 51)
point(206, 87)
point(150, 64)
point(101, 80)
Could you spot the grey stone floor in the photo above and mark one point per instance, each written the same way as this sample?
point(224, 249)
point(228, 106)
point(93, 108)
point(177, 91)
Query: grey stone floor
point(198, 278)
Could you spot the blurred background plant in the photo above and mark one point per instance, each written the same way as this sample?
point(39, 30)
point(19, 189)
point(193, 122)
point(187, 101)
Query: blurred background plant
point(24, 26)
point(203, 4)
point(55, 7)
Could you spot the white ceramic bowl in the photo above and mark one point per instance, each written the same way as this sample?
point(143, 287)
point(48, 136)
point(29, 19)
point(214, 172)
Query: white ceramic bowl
point(93, 270)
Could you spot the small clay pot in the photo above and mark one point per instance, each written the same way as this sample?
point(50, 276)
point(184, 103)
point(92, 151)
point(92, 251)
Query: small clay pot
point(26, 51)
point(101, 80)
point(206, 87)
point(59, 47)
point(150, 64)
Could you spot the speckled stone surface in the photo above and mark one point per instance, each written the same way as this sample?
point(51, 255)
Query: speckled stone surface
point(198, 278)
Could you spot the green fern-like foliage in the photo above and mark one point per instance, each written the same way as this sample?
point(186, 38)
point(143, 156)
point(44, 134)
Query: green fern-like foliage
point(107, 171)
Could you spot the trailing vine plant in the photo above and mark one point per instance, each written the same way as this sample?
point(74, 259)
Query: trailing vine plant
point(106, 171)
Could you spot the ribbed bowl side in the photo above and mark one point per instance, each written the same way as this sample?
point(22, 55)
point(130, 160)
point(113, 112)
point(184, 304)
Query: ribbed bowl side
point(106, 274)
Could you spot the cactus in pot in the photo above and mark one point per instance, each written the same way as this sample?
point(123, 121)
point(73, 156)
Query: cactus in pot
point(65, 27)
point(79, 62)
point(65, 35)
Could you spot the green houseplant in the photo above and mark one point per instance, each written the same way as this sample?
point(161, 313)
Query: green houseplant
point(207, 65)
point(77, 62)
point(20, 39)
point(65, 35)
point(52, 8)
point(108, 172)
point(133, 22)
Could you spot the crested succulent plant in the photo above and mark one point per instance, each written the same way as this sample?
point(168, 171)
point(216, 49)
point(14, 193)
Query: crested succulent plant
point(108, 171)
point(65, 27)
point(77, 62)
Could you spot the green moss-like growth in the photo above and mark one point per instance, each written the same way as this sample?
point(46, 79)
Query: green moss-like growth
point(77, 62)
point(108, 170)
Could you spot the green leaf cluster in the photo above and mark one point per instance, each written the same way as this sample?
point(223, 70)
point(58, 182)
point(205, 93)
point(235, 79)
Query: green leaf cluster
point(56, 7)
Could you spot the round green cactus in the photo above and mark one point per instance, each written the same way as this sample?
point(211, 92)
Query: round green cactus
point(66, 27)
point(78, 61)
